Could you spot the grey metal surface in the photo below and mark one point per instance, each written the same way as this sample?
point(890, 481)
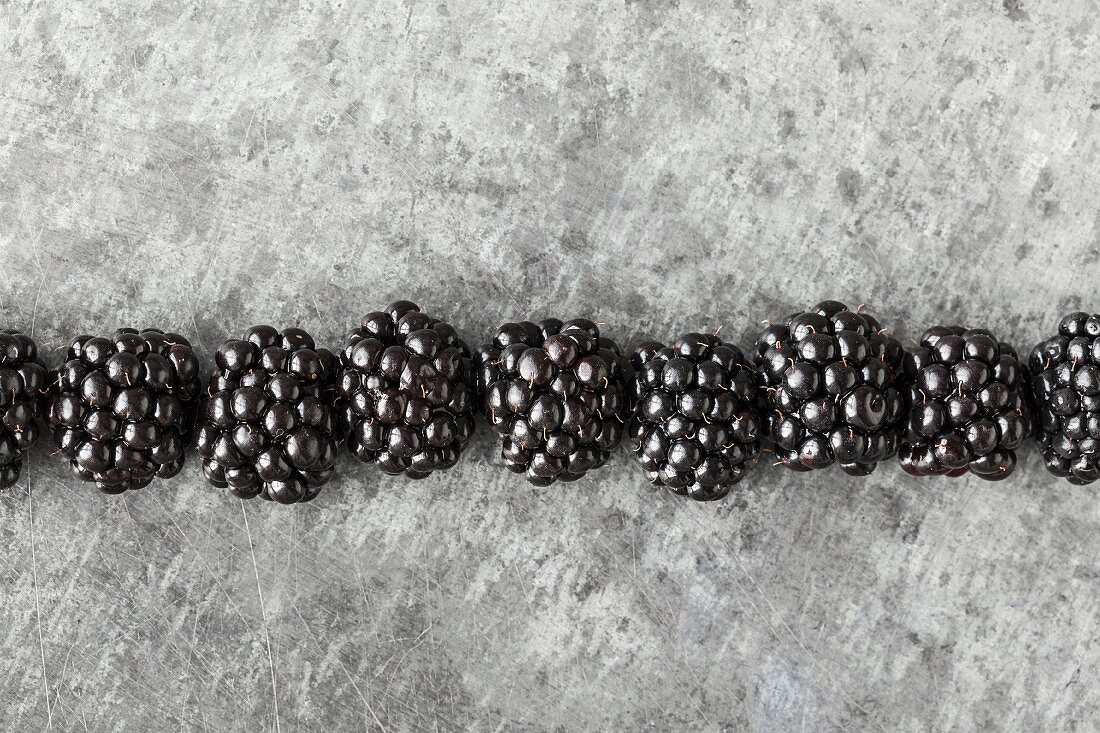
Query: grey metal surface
point(658, 166)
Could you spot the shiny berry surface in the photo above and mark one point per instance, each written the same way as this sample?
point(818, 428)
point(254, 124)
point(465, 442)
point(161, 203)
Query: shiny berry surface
point(267, 427)
point(23, 379)
point(695, 426)
point(1065, 385)
point(832, 390)
point(406, 392)
point(557, 395)
point(969, 408)
point(122, 409)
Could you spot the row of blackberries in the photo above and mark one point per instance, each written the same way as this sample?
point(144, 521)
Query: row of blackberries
point(827, 385)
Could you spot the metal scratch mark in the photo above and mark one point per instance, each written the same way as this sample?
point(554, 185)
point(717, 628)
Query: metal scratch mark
point(340, 662)
point(263, 618)
point(37, 603)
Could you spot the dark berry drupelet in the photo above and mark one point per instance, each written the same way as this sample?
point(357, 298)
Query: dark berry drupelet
point(122, 409)
point(267, 426)
point(556, 393)
point(405, 396)
point(22, 380)
point(695, 422)
point(832, 389)
point(968, 405)
point(1066, 389)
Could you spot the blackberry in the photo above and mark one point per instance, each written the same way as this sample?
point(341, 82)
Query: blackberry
point(969, 407)
point(556, 393)
point(832, 392)
point(122, 409)
point(694, 427)
point(22, 379)
point(405, 399)
point(1066, 388)
point(267, 426)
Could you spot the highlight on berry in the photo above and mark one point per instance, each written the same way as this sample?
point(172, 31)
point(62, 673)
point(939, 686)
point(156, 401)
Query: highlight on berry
point(1066, 390)
point(122, 409)
point(695, 428)
point(970, 409)
point(22, 380)
point(266, 426)
point(406, 392)
point(833, 392)
point(556, 394)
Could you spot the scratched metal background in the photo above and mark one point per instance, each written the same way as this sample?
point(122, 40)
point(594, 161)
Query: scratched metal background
point(657, 165)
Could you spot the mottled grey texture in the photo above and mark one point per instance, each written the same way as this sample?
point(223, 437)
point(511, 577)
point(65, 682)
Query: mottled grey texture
point(657, 165)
